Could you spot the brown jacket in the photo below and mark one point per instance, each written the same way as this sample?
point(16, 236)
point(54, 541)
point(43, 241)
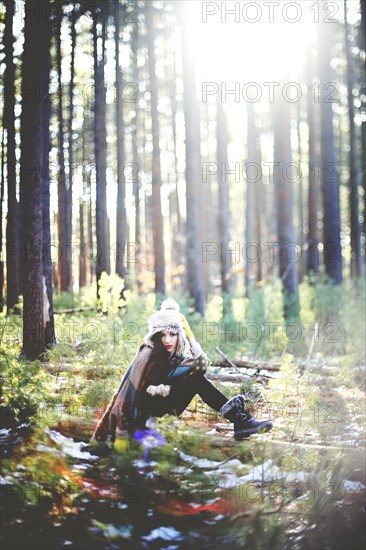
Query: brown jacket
point(123, 412)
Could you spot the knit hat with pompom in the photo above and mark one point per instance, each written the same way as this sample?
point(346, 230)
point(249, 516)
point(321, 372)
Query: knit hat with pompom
point(166, 319)
point(170, 304)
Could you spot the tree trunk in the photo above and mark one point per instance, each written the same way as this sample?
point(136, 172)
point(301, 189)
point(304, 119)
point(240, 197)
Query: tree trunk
point(300, 199)
point(2, 188)
point(69, 190)
point(35, 76)
point(363, 110)
point(82, 212)
point(193, 172)
point(354, 168)
point(12, 226)
point(250, 202)
point(50, 337)
point(82, 263)
point(121, 220)
point(312, 264)
point(259, 205)
point(224, 199)
point(158, 237)
point(283, 182)
point(329, 170)
point(136, 182)
point(177, 252)
point(91, 255)
point(63, 221)
point(100, 140)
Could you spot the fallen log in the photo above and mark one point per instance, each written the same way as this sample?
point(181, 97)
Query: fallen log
point(247, 375)
point(77, 310)
point(257, 365)
point(235, 377)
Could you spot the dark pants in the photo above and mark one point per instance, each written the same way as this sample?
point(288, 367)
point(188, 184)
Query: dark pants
point(181, 394)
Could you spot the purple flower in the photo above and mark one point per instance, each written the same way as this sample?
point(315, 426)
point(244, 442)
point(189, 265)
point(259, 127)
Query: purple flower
point(149, 439)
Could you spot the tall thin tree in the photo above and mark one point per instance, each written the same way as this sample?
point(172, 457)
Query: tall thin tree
point(332, 255)
point(63, 218)
point(193, 170)
point(49, 325)
point(2, 189)
point(354, 165)
point(69, 189)
point(250, 199)
point(158, 234)
point(135, 164)
point(223, 210)
point(284, 205)
point(100, 16)
point(312, 257)
point(121, 220)
point(12, 225)
point(82, 215)
point(177, 252)
point(300, 197)
point(362, 41)
point(35, 84)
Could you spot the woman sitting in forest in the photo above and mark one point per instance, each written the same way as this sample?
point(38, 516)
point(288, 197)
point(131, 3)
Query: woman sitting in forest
point(162, 379)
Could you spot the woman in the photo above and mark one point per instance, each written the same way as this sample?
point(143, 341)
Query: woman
point(163, 379)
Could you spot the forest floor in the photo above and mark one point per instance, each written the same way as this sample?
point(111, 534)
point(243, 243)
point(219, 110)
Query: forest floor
point(188, 484)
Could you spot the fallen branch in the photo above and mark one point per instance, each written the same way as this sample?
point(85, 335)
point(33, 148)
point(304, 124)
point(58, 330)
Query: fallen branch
point(234, 377)
point(257, 365)
point(256, 375)
point(77, 310)
point(228, 360)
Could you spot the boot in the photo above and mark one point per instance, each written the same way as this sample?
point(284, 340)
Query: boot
point(244, 424)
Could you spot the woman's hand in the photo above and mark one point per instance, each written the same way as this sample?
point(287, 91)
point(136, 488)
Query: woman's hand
point(163, 390)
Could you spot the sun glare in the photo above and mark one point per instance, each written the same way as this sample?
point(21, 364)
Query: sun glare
point(248, 45)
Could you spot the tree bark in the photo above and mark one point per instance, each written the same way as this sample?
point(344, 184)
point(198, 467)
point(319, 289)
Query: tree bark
point(12, 226)
point(2, 188)
point(91, 256)
point(158, 236)
point(177, 251)
point(283, 182)
point(121, 220)
point(136, 181)
point(332, 254)
point(354, 167)
point(63, 221)
point(312, 264)
point(259, 207)
point(49, 328)
point(82, 216)
point(100, 141)
point(69, 190)
point(224, 199)
point(192, 172)
point(300, 199)
point(35, 80)
point(362, 38)
point(250, 201)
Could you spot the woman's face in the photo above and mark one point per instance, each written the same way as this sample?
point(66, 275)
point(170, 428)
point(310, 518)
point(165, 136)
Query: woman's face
point(169, 341)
